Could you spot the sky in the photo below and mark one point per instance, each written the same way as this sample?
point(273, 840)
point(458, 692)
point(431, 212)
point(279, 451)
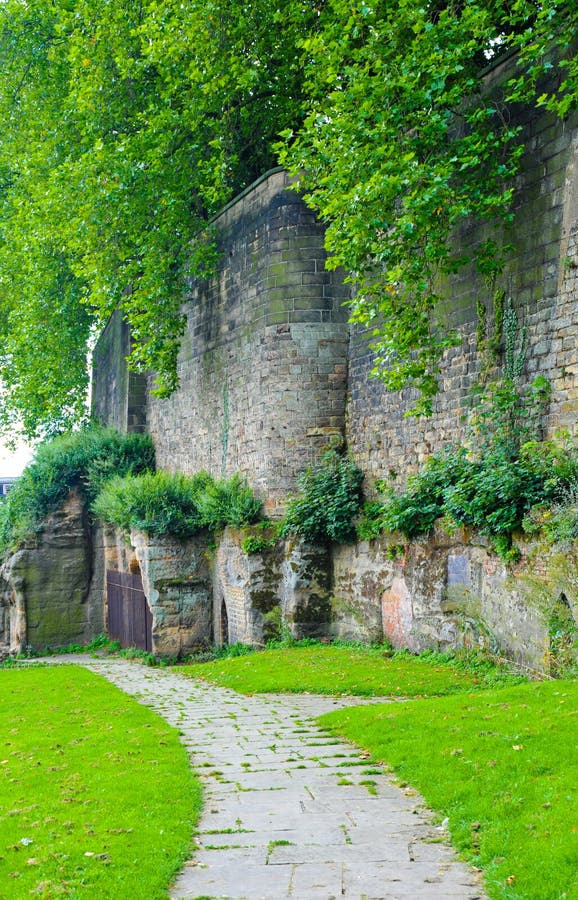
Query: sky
point(12, 463)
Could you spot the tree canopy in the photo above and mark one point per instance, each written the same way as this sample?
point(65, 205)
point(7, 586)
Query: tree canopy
point(126, 126)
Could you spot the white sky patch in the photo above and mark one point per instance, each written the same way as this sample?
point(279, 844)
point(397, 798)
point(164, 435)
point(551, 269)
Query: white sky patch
point(13, 462)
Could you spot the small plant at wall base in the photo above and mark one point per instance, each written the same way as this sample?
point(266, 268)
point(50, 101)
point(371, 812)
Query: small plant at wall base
point(328, 501)
point(562, 654)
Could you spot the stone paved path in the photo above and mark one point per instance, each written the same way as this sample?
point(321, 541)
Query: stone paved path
point(289, 812)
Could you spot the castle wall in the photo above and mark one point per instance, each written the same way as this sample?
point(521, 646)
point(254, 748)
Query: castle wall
point(540, 280)
point(270, 373)
point(118, 395)
point(263, 362)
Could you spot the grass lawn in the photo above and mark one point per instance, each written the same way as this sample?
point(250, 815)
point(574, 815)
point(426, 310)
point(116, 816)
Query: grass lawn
point(502, 765)
point(96, 796)
point(329, 669)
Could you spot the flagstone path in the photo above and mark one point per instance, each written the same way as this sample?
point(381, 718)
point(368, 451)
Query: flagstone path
point(290, 812)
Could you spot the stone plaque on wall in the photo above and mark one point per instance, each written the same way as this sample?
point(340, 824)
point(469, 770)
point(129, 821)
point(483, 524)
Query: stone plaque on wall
point(459, 570)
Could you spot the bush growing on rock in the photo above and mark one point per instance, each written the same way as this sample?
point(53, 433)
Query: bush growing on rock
point(329, 499)
point(163, 503)
point(83, 460)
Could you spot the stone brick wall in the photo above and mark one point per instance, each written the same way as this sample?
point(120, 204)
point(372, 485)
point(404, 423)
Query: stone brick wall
point(263, 361)
point(271, 372)
point(541, 281)
point(269, 366)
point(118, 396)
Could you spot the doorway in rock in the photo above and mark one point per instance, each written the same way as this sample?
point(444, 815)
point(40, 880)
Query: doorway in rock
point(129, 617)
point(224, 636)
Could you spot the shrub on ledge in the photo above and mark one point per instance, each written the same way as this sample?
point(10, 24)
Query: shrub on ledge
point(493, 493)
point(83, 459)
point(329, 499)
point(163, 503)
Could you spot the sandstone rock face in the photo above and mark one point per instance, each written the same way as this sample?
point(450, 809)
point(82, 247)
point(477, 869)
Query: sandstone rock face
point(95, 608)
point(306, 590)
point(177, 582)
point(446, 592)
point(439, 592)
point(442, 592)
point(281, 589)
point(45, 584)
point(247, 592)
point(362, 573)
point(12, 615)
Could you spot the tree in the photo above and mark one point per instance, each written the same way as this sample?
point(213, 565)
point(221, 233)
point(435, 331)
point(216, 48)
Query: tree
point(402, 142)
point(126, 126)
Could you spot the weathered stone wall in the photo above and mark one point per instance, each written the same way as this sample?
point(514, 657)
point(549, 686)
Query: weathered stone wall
point(118, 396)
point(263, 361)
point(284, 589)
point(12, 616)
point(270, 372)
point(451, 591)
point(176, 578)
point(541, 281)
point(246, 591)
point(46, 584)
point(265, 366)
point(441, 592)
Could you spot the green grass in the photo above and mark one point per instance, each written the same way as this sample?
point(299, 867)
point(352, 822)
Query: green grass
point(502, 766)
point(365, 671)
point(96, 796)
